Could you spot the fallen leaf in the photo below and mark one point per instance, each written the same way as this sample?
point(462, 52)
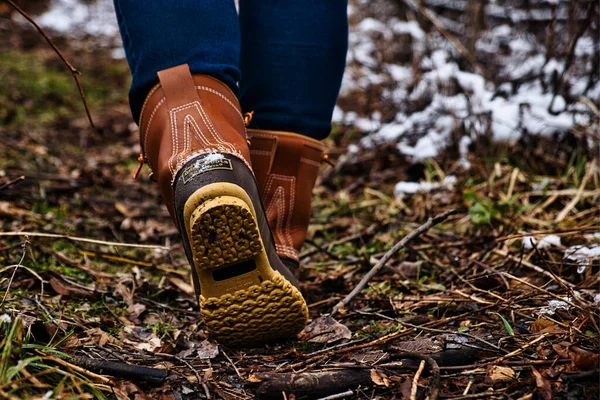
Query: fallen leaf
point(183, 286)
point(135, 310)
point(543, 385)
point(325, 330)
point(207, 350)
point(583, 360)
point(254, 379)
point(497, 373)
point(432, 345)
point(131, 390)
point(369, 357)
point(542, 325)
point(65, 289)
point(379, 378)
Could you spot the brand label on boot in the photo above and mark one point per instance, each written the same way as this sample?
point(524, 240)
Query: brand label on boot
point(209, 163)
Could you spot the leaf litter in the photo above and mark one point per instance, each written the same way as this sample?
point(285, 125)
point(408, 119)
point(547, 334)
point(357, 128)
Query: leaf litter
point(502, 297)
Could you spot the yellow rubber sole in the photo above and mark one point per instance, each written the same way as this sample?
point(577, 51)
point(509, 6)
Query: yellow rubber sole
point(243, 300)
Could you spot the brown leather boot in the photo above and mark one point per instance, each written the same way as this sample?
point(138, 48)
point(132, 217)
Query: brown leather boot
point(286, 166)
point(193, 138)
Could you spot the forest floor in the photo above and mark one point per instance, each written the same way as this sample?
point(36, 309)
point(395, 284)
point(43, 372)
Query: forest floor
point(500, 300)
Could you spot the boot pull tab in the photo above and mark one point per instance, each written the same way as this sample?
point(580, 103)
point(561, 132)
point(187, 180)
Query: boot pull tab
point(326, 160)
point(141, 162)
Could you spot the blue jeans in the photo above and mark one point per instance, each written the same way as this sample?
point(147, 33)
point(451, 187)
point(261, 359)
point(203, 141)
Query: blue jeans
point(287, 56)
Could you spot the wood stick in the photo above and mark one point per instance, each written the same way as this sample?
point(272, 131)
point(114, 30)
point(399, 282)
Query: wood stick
point(387, 256)
point(415, 382)
point(85, 240)
point(121, 370)
point(73, 70)
point(311, 383)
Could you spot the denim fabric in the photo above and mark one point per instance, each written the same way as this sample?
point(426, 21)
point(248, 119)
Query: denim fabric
point(288, 64)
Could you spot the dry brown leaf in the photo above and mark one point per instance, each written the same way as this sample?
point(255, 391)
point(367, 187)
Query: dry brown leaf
point(435, 344)
point(498, 373)
point(254, 379)
point(207, 350)
point(369, 356)
point(542, 325)
point(325, 330)
point(63, 288)
point(379, 378)
point(583, 360)
point(543, 385)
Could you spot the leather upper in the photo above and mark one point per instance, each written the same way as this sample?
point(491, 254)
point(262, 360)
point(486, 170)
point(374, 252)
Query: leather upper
point(286, 166)
point(185, 116)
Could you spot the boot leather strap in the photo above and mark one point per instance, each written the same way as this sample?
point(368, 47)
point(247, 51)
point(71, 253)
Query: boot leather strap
point(186, 116)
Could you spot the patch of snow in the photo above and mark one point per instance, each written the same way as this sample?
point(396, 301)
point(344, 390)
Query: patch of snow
point(592, 236)
point(583, 256)
point(73, 16)
point(551, 240)
point(585, 47)
point(353, 148)
point(371, 25)
point(597, 298)
point(5, 319)
point(403, 188)
point(553, 306)
point(411, 27)
point(338, 115)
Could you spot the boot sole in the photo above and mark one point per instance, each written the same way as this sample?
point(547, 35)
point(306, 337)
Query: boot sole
point(243, 299)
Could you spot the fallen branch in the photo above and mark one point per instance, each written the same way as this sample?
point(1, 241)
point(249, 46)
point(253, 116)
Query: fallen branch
point(311, 384)
point(85, 240)
point(121, 370)
point(12, 182)
point(74, 72)
point(415, 382)
point(387, 256)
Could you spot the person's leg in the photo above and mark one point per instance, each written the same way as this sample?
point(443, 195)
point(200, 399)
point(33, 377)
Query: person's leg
point(183, 56)
point(160, 34)
point(292, 62)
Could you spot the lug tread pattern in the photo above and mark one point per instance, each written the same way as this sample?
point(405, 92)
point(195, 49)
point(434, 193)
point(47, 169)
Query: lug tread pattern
point(274, 309)
point(226, 234)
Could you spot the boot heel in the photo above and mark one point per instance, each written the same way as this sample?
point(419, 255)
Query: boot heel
point(243, 300)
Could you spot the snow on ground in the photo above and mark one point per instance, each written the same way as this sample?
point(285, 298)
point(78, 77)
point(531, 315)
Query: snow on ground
point(529, 242)
point(583, 256)
point(434, 91)
point(430, 88)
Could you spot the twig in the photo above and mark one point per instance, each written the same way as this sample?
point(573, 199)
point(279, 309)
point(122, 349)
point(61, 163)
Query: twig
point(184, 362)
point(338, 396)
point(85, 240)
point(415, 382)
point(237, 371)
point(434, 386)
point(531, 266)
point(387, 256)
point(531, 285)
point(478, 339)
point(121, 370)
point(522, 348)
point(16, 267)
point(73, 70)
point(12, 182)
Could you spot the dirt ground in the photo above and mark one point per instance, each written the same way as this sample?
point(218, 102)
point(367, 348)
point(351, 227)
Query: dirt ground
point(498, 301)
